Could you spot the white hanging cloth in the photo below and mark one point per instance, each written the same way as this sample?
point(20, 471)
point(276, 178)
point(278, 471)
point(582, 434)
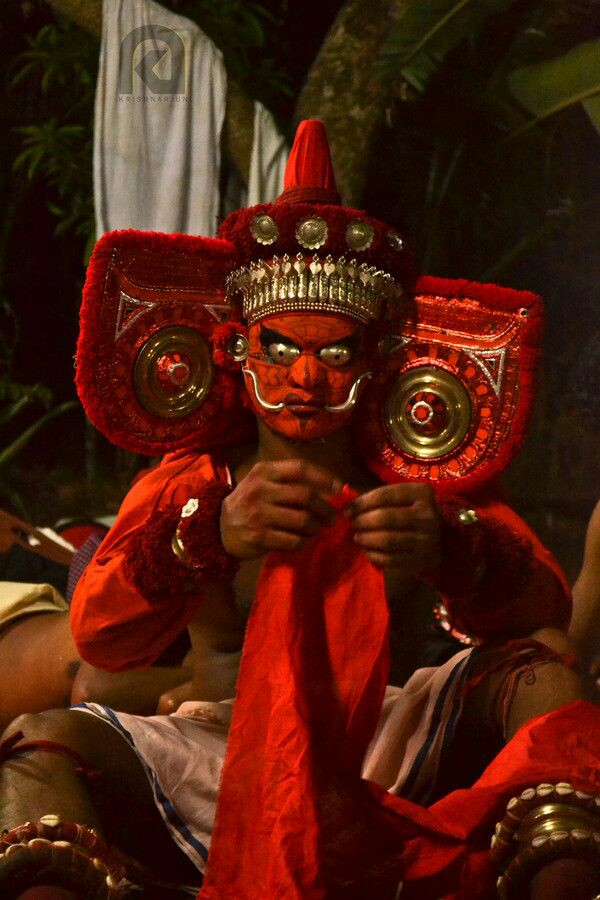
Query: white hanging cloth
point(160, 107)
point(268, 158)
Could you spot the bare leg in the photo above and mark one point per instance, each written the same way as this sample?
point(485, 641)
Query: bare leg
point(549, 686)
point(119, 803)
point(553, 686)
point(481, 732)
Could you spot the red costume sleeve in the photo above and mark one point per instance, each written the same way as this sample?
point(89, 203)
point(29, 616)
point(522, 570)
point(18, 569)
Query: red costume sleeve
point(116, 625)
point(496, 578)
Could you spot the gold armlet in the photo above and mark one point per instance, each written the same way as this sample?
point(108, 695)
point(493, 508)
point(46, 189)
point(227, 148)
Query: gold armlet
point(543, 824)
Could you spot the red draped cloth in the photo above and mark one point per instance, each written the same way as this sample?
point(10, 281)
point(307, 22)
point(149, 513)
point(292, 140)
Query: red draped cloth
point(294, 818)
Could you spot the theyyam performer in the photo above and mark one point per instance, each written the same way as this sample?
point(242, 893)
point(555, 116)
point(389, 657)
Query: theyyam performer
point(332, 428)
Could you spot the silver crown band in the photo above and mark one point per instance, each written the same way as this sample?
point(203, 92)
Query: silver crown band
point(328, 285)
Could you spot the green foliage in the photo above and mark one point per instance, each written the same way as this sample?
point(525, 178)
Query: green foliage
point(425, 32)
point(64, 58)
point(488, 79)
point(15, 399)
point(553, 85)
point(61, 64)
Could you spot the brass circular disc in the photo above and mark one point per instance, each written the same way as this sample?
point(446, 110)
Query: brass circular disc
point(449, 390)
point(264, 229)
point(185, 398)
point(311, 232)
point(359, 235)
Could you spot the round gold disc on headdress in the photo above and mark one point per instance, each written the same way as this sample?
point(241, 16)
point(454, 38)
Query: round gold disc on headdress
point(311, 232)
point(264, 229)
point(359, 235)
point(428, 412)
point(173, 372)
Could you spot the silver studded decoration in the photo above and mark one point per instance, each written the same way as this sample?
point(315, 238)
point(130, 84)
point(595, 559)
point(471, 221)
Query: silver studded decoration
point(239, 347)
point(264, 229)
point(394, 240)
point(359, 235)
point(311, 232)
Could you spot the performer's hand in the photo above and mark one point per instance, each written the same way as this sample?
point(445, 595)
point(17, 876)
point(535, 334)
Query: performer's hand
point(398, 526)
point(277, 506)
point(172, 699)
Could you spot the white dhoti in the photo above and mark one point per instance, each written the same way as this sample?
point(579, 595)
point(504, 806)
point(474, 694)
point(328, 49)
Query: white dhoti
point(183, 754)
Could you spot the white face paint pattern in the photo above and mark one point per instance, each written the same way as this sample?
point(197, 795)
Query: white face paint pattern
point(348, 403)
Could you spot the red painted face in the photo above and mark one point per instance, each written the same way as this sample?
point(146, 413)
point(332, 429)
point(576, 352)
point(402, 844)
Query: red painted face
point(303, 364)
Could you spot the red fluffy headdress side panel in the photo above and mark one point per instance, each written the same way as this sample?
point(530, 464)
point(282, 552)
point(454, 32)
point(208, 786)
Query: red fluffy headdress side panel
point(137, 284)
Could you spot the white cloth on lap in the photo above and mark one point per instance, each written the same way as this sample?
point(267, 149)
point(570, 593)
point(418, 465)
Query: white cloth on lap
point(183, 754)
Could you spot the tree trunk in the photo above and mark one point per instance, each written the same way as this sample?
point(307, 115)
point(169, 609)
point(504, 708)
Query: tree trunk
point(344, 90)
point(85, 13)
point(239, 112)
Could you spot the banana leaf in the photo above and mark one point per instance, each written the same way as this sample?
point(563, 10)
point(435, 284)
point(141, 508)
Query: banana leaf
point(556, 84)
point(19, 397)
point(9, 453)
point(12, 411)
point(427, 30)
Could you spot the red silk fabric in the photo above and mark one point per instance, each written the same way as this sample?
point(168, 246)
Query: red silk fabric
point(309, 164)
point(294, 819)
point(311, 684)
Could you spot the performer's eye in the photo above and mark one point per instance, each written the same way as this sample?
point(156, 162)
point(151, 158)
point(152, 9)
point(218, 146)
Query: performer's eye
point(335, 355)
point(283, 354)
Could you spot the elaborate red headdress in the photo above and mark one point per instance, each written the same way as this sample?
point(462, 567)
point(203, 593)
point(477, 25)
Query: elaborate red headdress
point(453, 394)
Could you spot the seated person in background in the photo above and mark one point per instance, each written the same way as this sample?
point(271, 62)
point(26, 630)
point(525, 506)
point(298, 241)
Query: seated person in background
point(280, 553)
point(585, 624)
point(40, 667)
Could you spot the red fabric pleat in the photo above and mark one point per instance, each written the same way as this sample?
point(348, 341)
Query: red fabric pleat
point(294, 818)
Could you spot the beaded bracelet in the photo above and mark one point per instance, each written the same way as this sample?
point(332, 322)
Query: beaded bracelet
point(549, 822)
point(67, 854)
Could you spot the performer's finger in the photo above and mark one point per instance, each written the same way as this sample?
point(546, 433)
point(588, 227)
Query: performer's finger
point(301, 496)
point(283, 540)
point(387, 518)
point(296, 521)
point(302, 472)
point(391, 541)
point(391, 495)
point(389, 560)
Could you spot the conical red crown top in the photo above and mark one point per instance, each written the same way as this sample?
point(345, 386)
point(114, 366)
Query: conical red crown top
point(309, 174)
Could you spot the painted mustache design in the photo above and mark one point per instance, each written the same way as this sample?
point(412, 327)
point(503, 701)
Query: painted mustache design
point(348, 403)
